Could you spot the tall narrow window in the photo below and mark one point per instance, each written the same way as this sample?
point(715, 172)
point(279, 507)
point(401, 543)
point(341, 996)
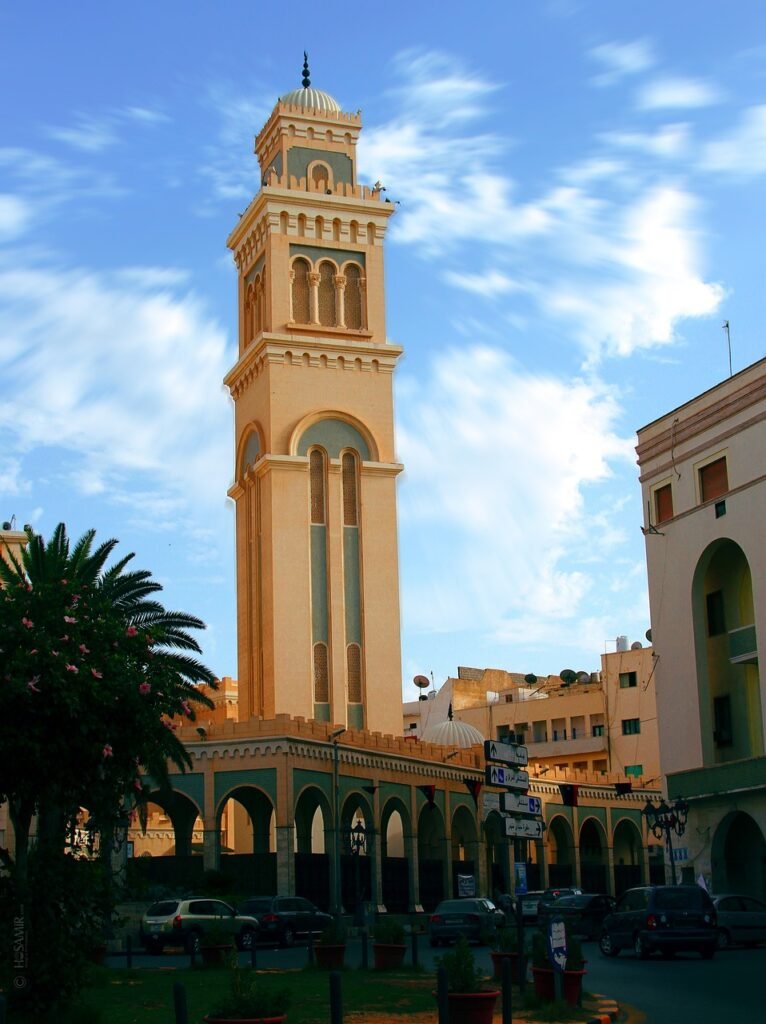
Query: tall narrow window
point(316, 473)
point(353, 297)
point(663, 504)
point(714, 479)
point(320, 177)
point(350, 506)
point(716, 613)
point(354, 669)
point(321, 678)
point(327, 294)
point(301, 303)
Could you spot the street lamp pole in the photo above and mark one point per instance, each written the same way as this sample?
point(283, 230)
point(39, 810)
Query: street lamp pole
point(664, 819)
point(336, 821)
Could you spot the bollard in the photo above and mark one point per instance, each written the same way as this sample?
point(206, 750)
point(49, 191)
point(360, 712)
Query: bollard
point(336, 998)
point(414, 936)
point(365, 950)
point(179, 1002)
point(442, 999)
point(253, 955)
point(507, 992)
point(522, 947)
point(129, 952)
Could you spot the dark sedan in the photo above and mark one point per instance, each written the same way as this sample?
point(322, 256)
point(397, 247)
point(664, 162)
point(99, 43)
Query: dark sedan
point(282, 919)
point(740, 919)
point(582, 914)
point(478, 920)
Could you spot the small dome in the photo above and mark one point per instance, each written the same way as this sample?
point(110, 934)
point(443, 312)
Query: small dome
point(453, 734)
point(311, 99)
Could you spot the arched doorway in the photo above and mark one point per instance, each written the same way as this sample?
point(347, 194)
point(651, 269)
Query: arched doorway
point(357, 850)
point(169, 851)
point(628, 856)
point(561, 859)
point(739, 856)
point(245, 823)
point(593, 858)
point(431, 836)
point(395, 831)
point(313, 838)
point(465, 850)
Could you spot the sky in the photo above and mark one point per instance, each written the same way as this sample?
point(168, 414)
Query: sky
point(581, 206)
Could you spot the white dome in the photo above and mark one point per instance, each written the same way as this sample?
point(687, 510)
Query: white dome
point(453, 734)
point(311, 99)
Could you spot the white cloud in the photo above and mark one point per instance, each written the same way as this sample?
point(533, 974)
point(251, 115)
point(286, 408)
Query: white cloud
point(145, 115)
point(671, 140)
point(490, 284)
point(621, 59)
point(15, 215)
point(439, 88)
point(89, 134)
point(123, 373)
point(743, 152)
point(678, 93)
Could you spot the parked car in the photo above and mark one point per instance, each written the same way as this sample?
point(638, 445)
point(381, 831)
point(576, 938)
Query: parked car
point(282, 919)
point(582, 913)
point(176, 922)
point(663, 918)
point(530, 904)
point(477, 919)
point(740, 919)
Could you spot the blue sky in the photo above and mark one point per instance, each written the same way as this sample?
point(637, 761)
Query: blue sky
point(581, 190)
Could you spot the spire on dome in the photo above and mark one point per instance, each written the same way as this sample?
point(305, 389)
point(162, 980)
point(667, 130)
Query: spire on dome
point(306, 75)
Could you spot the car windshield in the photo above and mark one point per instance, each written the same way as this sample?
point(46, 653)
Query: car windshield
point(162, 909)
point(681, 899)
point(456, 907)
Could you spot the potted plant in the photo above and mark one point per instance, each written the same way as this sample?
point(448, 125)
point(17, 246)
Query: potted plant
point(331, 946)
point(214, 945)
point(248, 1003)
point(469, 1001)
point(572, 975)
point(388, 944)
point(506, 947)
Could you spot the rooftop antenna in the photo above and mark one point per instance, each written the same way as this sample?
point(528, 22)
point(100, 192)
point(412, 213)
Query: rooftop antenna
point(306, 76)
point(725, 327)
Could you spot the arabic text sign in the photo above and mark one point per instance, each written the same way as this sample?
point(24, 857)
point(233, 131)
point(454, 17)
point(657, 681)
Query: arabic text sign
point(512, 778)
point(524, 828)
point(506, 753)
point(518, 803)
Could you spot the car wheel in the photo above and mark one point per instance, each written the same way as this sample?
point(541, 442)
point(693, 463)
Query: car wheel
point(723, 939)
point(639, 948)
point(288, 937)
point(246, 939)
point(193, 942)
point(707, 953)
point(606, 945)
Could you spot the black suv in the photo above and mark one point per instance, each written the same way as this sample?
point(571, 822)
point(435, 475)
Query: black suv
point(283, 918)
point(661, 918)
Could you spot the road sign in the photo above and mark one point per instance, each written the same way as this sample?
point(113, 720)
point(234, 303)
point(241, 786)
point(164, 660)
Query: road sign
point(511, 778)
point(524, 828)
point(506, 753)
point(518, 803)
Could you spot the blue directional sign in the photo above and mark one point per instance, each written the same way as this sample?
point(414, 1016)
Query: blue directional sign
point(557, 944)
point(520, 803)
point(511, 778)
point(505, 753)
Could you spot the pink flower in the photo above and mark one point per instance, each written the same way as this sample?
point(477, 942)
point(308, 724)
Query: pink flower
point(137, 784)
point(96, 674)
point(107, 751)
point(65, 582)
point(32, 684)
point(71, 668)
point(34, 651)
point(64, 638)
point(169, 725)
point(69, 618)
point(55, 654)
point(187, 710)
point(145, 688)
point(131, 631)
point(27, 622)
point(84, 649)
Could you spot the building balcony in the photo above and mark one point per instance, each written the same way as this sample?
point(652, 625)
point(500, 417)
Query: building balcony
point(566, 748)
point(719, 779)
point(743, 646)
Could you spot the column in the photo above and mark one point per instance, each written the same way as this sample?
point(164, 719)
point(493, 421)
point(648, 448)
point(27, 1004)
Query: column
point(286, 859)
point(314, 296)
point(340, 299)
point(211, 848)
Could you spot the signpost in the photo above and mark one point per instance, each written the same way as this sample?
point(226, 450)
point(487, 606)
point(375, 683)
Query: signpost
point(505, 753)
point(511, 778)
point(517, 803)
point(524, 828)
point(557, 950)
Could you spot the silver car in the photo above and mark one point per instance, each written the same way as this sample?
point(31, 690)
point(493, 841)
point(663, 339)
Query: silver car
point(740, 919)
point(175, 922)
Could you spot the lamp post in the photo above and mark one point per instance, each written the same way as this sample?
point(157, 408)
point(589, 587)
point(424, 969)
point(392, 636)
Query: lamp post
point(664, 819)
point(357, 838)
point(336, 822)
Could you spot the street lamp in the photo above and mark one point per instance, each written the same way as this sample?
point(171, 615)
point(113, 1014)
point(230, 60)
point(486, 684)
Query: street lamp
point(336, 822)
point(664, 819)
point(357, 841)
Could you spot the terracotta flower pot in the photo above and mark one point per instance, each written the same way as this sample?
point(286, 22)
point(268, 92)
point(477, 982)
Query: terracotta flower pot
point(330, 957)
point(544, 985)
point(498, 956)
point(571, 985)
point(388, 956)
point(472, 1007)
point(245, 1020)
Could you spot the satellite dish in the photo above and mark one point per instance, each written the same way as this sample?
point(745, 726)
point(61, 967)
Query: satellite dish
point(422, 682)
point(636, 645)
point(648, 635)
point(583, 677)
point(567, 676)
point(530, 679)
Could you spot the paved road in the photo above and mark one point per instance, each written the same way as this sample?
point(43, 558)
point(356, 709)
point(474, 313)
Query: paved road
point(685, 990)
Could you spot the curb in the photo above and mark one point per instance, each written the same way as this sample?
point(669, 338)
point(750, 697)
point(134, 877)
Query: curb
point(606, 1013)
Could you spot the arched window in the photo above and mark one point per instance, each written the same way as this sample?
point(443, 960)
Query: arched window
point(249, 302)
point(301, 302)
point(316, 483)
point(353, 297)
point(321, 677)
point(350, 503)
point(326, 294)
point(258, 318)
point(320, 177)
point(354, 672)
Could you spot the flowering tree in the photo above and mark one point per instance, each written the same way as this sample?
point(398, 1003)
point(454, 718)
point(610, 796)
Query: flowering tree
point(93, 671)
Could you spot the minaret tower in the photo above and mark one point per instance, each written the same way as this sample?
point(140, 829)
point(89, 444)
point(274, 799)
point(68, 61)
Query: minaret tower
point(315, 488)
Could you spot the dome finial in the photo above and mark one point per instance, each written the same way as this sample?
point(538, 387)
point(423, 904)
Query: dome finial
point(306, 77)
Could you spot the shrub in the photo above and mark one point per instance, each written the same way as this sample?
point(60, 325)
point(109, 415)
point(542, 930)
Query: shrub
point(460, 965)
point(333, 935)
point(507, 940)
point(389, 932)
point(248, 999)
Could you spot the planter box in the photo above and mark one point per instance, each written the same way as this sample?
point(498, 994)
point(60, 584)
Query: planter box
point(246, 1020)
point(571, 985)
point(472, 1007)
point(388, 956)
point(330, 957)
point(498, 956)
